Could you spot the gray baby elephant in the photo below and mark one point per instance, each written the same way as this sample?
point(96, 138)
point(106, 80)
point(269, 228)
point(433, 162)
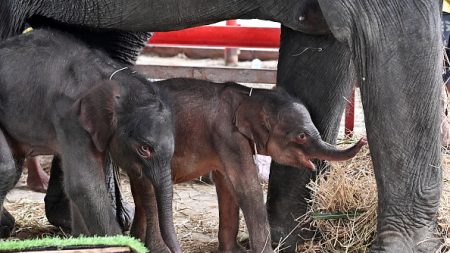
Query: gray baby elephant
point(58, 96)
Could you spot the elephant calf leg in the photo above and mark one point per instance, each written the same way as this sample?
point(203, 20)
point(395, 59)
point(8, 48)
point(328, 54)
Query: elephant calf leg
point(37, 179)
point(57, 205)
point(146, 227)
point(250, 198)
point(229, 217)
point(83, 177)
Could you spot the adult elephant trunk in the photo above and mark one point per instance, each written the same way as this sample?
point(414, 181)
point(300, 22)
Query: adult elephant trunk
point(164, 193)
point(326, 151)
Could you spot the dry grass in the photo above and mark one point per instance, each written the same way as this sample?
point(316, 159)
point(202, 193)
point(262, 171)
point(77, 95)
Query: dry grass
point(31, 221)
point(444, 211)
point(343, 207)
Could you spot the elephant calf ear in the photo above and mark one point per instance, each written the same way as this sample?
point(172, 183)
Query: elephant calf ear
point(252, 122)
point(96, 112)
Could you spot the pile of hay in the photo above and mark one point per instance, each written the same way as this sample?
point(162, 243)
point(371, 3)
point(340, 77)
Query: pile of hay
point(343, 207)
point(444, 211)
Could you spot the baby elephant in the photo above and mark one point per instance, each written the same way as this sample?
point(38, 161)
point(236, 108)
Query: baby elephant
point(217, 127)
point(57, 97)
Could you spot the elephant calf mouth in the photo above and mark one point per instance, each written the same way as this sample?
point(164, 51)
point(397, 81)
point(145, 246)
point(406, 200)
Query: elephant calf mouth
point(307, 163)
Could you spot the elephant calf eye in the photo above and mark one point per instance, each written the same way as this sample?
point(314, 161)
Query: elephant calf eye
point(301, 138)
point(144, 151)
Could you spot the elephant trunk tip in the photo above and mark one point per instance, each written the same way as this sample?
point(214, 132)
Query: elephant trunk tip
point(352, 151)
point(361, 142)
point(331, 153)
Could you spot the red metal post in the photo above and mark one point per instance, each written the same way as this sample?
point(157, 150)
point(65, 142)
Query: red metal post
point(231, 53)
point(220, 36)
point(350, 115)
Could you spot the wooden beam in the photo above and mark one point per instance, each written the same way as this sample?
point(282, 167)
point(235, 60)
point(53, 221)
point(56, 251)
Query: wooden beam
point(245, 54)
point(215, 74)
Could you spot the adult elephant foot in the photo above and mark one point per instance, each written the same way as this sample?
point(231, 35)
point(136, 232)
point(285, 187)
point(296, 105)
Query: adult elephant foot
point(57, 205)
point(7, 224)
point(423, 240)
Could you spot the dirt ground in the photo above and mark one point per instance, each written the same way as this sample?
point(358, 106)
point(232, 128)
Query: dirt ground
point(195, 212)
point(195, 205)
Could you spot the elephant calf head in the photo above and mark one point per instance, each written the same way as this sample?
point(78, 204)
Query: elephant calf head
point(282, 127)
point(132, 122)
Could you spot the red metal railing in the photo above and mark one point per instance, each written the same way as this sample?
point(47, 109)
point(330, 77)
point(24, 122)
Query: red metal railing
point(235, 36)
point(220, 36)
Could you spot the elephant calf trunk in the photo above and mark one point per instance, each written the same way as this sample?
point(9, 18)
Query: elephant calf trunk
point(331, 153)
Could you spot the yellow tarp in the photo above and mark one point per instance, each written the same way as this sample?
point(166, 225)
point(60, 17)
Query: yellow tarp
point(446, 7)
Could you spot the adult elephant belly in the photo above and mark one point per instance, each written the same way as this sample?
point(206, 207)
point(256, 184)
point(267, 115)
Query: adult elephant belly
point(121, 28)
point(159, 15)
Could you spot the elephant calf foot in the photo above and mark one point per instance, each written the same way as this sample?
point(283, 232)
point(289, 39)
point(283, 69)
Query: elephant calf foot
point(233, 246)
point(7, 224)
point(236, 249)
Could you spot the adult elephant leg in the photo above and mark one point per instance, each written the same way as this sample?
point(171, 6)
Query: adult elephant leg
point(10, 171)
point(318, 70)
point(123, 210)
point(7, 223)
point(398, 52)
